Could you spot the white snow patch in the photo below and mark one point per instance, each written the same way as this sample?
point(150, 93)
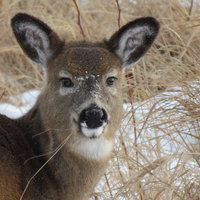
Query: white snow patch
point(154, 142)
point(28, 99)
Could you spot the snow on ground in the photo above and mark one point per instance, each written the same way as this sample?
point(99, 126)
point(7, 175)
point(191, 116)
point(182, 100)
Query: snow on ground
point(141, 113)
point(157, 140)
point(28, 100)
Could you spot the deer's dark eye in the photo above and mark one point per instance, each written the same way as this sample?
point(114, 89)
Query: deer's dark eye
point(110, 81)
point(66, 82)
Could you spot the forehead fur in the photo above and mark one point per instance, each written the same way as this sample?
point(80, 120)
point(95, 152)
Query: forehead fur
point(92, 58)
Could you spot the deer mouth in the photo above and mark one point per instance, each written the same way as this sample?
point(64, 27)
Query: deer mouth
point(93, 121)
point(92, 132)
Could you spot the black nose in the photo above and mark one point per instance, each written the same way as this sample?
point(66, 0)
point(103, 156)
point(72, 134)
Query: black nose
point(93, 117)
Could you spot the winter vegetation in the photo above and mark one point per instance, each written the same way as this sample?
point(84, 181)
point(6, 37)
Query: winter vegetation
point(156, 155)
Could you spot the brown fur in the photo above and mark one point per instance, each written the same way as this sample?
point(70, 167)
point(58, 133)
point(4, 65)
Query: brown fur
point(29, 167)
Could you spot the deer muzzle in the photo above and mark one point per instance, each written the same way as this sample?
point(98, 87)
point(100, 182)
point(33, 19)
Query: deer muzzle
point(92, 121)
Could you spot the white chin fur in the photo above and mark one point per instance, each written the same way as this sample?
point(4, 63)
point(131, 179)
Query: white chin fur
point(92, 146)
point(98, 148)
point(92, 133)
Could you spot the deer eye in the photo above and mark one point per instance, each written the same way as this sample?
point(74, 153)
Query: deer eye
point(66, 82)
point(111, 80)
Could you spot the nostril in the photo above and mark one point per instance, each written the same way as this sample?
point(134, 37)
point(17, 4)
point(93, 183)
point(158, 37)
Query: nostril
point(93, 117)
point(86, 117)
point(104, 116)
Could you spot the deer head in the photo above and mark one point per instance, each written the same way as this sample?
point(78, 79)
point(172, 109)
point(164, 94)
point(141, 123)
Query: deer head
point(82, 95)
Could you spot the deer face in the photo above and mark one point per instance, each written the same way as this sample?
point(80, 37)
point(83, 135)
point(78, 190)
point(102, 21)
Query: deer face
point(82, 95)
point(84, 90)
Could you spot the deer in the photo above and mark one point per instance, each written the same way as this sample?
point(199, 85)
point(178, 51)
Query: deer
point(59, 149)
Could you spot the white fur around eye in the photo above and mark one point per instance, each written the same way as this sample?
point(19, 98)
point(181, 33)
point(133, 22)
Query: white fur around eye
point(113, 91)
point(112, 73)
point(63, 90)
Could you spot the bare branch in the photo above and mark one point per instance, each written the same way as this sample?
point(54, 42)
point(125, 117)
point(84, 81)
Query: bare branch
point(2, 95)
point(119, 13)
point(79, 18)
point(107, 182)
point(191, 6)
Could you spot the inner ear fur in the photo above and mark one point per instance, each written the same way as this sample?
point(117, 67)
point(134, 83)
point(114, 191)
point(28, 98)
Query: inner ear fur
point(133, 40)
point(38, 41)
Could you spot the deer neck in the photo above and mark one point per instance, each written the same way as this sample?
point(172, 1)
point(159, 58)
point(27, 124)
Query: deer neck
point(68, 169)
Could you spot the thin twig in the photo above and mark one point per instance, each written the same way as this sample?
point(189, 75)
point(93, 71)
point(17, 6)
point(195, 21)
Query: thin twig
point(79, 18)
point(190, 10)
point(119, 13)
point(58, 149)
point(107, 182)
point(130, 94)
point(2, 95)
point(191, 6)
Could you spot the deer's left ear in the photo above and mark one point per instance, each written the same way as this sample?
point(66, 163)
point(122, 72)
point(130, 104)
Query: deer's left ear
point(38, 41)
point(132, 41)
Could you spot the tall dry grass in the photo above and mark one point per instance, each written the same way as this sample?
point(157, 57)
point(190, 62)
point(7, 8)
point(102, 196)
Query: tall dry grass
point(156, 153)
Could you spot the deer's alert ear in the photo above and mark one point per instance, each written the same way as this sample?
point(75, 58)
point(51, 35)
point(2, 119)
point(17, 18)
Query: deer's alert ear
point(132, 41)
point(37, 40)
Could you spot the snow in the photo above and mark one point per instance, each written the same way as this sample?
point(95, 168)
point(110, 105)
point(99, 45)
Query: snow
point(141, 112)
point(28, 99)
point(170, 144)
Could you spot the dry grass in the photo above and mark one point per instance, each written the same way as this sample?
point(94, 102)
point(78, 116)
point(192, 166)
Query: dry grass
point(156, 154)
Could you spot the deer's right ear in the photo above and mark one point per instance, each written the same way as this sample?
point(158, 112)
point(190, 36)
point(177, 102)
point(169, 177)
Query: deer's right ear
point(37, 40)
point(132, 41)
